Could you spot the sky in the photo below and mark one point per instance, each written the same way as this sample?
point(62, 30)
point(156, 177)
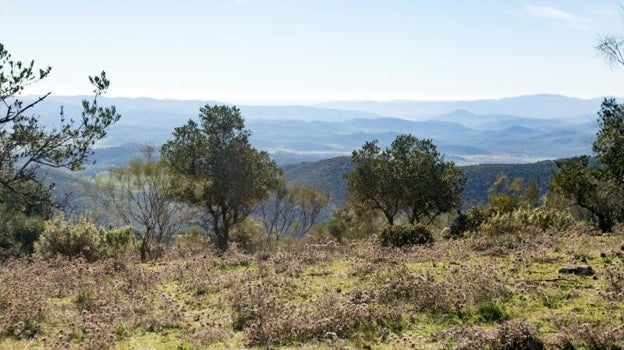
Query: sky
point(304, 52)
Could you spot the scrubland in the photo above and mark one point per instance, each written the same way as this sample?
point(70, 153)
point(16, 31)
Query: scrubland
point(470, 293)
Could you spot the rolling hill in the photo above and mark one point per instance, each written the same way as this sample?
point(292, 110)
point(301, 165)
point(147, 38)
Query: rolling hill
point(328, 176)
point(514, 130)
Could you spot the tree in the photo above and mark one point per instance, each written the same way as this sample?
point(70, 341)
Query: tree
point(609, 144)
point(588, 187)
point(291, 211)
point(217, 169)
point(599, 188)
point(507, 195)
point(142, 196)
point(610, 47)
point(26, 144)
point(409, 177)
point(372, 183)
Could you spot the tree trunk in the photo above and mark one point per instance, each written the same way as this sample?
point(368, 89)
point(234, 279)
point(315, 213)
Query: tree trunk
point(144, 249)
point(222, 236)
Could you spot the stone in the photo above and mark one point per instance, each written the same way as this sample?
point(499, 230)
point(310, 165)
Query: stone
point(577, 270)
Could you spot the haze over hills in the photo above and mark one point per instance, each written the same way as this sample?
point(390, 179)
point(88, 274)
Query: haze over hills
point(511, 130)
point(541, 106)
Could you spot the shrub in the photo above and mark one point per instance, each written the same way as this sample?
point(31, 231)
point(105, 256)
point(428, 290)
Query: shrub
point(18, 233)
point(246, 235)
point(83, 238)
point(115, 241)
point(511, 335)
point(500, 224)
point(405, 235)
point(490, 222)
point(614, 276)
point(469, 221)
point(491, 312)
point(193, 241)
point(517, 334)
point(545, 218)
point(350, 223)
point(464, 287)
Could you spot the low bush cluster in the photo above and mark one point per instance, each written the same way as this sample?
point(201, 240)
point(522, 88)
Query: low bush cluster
point(463, 288)
point(469, 221)
point(405, 235)
point(270, 321)
point(82, 238)
point(18, 233)
point(489, 222)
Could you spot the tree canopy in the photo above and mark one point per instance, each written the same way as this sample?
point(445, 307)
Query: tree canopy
point(409, 177)
point(217, 169)
point(26, 144)
point(609, 144)
point(598, 186)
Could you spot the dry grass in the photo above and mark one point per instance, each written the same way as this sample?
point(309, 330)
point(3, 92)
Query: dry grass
point(463, 294)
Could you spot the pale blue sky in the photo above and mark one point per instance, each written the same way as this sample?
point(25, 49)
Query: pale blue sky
point(249, 51)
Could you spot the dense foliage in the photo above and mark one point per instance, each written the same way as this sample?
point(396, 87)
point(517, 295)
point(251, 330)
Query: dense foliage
point(82, 239)
point(18, 233)
point(405, 235)
point(598, 187)
point(328, 176)
point(218, 171)
point(26, 145)
point(609, 144)
point(410, 177)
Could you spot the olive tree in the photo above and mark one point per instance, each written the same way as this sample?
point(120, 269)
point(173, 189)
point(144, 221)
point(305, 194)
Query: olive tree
point(598, 187)
point(217, 170)
point(410, 177)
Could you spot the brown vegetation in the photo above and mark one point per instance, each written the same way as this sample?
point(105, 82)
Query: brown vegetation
point(451, 294)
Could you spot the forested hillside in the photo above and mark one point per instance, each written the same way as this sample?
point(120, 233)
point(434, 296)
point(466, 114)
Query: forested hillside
point(328, 175)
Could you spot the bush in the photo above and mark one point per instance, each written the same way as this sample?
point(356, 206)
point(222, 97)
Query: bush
point(193, 241)
point(405, 235)
point(469, 221)
point(246, 235)
point(491, 312)
point(348, 223)
point(18, 233)
point(518, 334)
point(545, 218)
point(83, 238)
point(501, 224)
point(115, 241)
point(490, 222)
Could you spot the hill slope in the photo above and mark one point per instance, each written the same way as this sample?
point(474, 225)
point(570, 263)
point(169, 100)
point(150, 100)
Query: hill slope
point(496, 131)
point(328, 176)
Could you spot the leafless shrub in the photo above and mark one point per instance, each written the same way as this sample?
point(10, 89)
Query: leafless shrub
point(462, 287)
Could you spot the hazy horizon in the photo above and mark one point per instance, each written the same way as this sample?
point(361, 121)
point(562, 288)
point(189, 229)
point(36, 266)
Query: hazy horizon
point(294, 52)
point(321, 103)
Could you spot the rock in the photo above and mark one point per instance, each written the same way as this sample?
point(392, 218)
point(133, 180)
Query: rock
point(332, 336)
point(577, 270)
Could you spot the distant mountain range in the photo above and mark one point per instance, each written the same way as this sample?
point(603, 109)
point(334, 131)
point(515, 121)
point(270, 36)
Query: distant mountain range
point(511, 130)
point(542, 106)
